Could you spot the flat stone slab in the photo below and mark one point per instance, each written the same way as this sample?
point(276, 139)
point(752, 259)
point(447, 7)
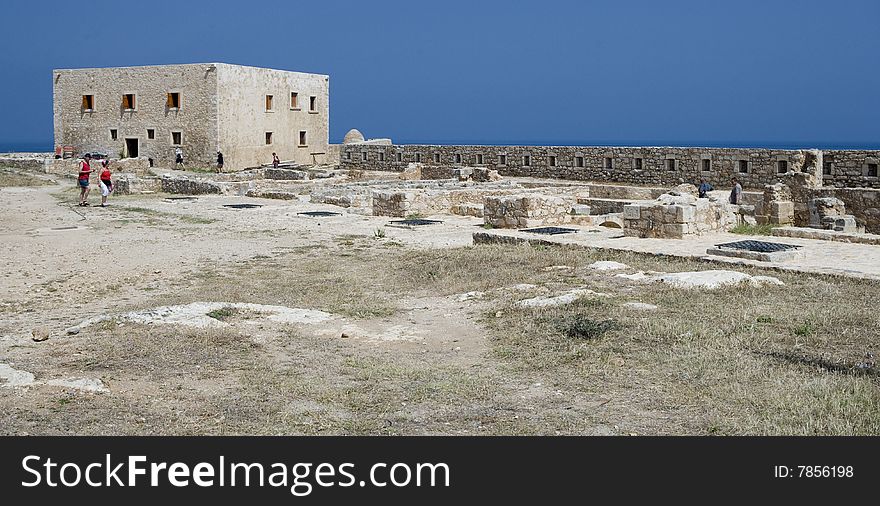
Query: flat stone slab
point(709, 280)
point(607, 265)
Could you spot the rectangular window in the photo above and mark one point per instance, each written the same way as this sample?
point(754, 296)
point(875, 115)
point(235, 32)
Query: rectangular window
point(294, 100)
point(872, 170)
point(399, 156)
point(151, 133)
point(743, 166)
point(348, 155)
point(172, 101)
point(502, 159)
point(608, 162)
point(113, 134)
point(269, 102)
point(313, 104)
point(670, 163)
point(436, 157)
point(88, 102)
point(579, 161)
point(128, 102)
point(826, 168)
point(381, 156)
point(479, 159)
point(268, 137)
point(707, 165)
point(527, 160)
point(303, 140)
point(418, 157)
point(781, 166)
point(176, 138)
point(639, 163)
point(552, 161)
point(364, 156)
point(458, 158)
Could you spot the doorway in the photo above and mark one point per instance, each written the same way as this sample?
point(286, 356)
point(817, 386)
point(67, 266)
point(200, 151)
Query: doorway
point(131, 148)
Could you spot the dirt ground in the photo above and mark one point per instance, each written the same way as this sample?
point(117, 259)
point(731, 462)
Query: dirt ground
point(421, 330)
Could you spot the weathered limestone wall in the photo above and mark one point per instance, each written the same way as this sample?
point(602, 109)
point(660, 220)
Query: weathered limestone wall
point(526, 210)
point(24, 163)
point(676, 215)
point(244, 119)
point(851, 168)
point(665, 166)
point(89, 130)
point(863, 203)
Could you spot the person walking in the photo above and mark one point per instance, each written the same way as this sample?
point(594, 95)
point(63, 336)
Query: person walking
point(178, 158)
point(219, 162)
point(105, 183)
point(736, 192)
point(85, 171)
point(275, 161)
point(704, 189)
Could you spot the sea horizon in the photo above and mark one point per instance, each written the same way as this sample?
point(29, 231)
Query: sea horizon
point(48, 147)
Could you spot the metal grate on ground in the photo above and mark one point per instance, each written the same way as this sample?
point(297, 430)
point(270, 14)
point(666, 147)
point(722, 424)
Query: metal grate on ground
point(550, 230)
point(415, 222)
point(317, 214)
point(758, 246)
point(242, 206)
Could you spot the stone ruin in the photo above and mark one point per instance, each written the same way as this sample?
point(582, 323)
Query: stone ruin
point(829, 213)
point(679, 213)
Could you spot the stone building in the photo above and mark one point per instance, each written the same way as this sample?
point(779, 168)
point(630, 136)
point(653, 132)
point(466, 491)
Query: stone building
point(246, 112)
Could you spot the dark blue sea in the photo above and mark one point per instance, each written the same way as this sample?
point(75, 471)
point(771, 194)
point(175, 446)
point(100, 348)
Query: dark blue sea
point(47, 146)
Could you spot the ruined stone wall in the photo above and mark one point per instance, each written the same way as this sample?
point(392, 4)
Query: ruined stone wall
point(659, 166)
point(851, 168)
point(675, 216)
point(863, 203)
point(526, 210)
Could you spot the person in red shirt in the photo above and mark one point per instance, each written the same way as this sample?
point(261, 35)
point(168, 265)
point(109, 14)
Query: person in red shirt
point(85, 171)
point(106, 183)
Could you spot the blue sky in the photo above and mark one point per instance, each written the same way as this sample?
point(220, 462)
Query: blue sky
point(564, 72)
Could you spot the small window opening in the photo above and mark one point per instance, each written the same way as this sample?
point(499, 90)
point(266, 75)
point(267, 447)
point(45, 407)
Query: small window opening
point(579, 161)
point(639, 163)
point(364, 156)
point(608, 162)
point(88, 102)
point(268, 137)
point(502, 159)
point(128, 102)
point(269, 100)
point(436, 157)
point(826, 168)
point(303, 140)
point(479, 159)
point(781, 166)
point(872, 170)
point(313, 104)
point(176, 138)
point(707, 165)
point(348, 155)
point(381, 156)
point(743, 166)
point(399, 156)
point(113, 134)
point(418, 157)
point(294, 100)
point(458, 158)
point(151, 133)
point(173, 101)
point(670, 163)
point(527, 160)
point(552, 161)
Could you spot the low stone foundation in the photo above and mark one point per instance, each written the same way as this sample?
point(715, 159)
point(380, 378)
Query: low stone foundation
point(677, 214)
point(526, 210)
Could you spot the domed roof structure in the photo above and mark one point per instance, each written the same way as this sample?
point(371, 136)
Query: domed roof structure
point(353, 136)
